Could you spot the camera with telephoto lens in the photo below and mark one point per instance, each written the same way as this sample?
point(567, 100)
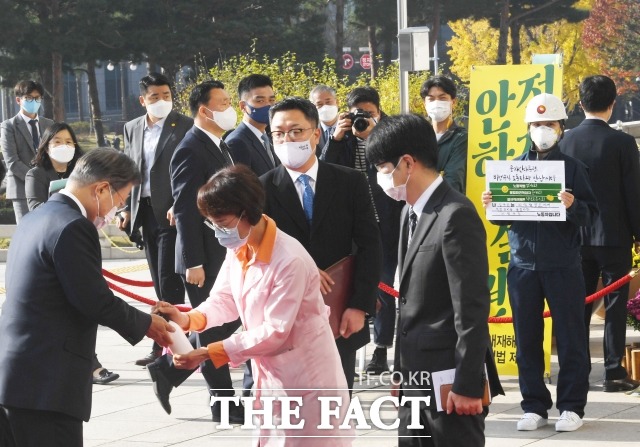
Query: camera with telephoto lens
point(360, 119)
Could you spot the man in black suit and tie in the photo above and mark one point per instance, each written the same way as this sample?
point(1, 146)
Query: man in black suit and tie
point(150, 140)
point(328, 209)
point(444, 297)
point(198, 254)
point(249, 144)
point(324, 97)
point(56, 297)
point(614, 171)
point(20, 138)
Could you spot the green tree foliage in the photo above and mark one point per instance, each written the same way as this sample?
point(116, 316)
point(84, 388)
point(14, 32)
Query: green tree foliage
point(612, 36)
point(293, 78)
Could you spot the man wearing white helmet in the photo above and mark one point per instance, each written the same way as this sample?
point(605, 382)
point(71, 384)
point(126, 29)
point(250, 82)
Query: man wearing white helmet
point(545, 263)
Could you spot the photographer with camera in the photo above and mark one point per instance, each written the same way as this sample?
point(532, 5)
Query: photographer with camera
point(347, 148)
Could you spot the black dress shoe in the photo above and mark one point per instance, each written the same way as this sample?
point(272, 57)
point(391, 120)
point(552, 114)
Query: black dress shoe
point(104, 376)
point(161, 386)
point(626, 384)
point(144, 361)
point(378, 363)
point(236, 413)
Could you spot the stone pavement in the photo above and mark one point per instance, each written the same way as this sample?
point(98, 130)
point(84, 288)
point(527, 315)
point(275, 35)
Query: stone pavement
point(126, 412)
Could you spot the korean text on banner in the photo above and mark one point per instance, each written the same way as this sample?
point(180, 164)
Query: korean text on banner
point(497, 131)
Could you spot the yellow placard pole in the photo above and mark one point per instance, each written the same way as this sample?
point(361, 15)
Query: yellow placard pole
point(497, 131)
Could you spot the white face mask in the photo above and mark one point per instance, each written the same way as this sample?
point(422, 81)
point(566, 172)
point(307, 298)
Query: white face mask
point(226, 120)
point(101, 221)
point(438, 111)
point(293, 154)
point(544, 137)
point(160, 109)
point(327, 113)
point(386, 183)
point(62, 154)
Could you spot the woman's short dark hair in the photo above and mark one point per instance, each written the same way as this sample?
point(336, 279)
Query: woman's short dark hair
point(233, 190)
point(42, 158)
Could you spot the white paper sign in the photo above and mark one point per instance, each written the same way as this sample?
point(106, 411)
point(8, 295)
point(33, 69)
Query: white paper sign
point(525, 190)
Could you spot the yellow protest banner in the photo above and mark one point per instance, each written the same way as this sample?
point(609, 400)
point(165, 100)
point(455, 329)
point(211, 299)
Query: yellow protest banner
point(497, 131)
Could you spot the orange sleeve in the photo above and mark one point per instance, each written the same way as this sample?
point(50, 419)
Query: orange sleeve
point(217, 354)
point(197, 321)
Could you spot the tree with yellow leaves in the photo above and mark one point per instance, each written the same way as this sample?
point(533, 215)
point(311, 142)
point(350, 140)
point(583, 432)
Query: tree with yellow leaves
point(476, 43)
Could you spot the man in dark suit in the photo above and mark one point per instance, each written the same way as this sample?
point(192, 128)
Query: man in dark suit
point(20, 138)
point(324, 97)
point(249, 144)
point(614, 171)
point(347, 148)
point(198, 256)
point(444, 297)
point(56, 297)
point(337, 218)
point(150, 140)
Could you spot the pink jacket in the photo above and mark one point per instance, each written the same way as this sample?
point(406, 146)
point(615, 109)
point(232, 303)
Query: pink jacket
point(287, 335)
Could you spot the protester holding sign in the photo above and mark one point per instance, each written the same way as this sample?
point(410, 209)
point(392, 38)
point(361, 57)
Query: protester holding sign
point(545, 262)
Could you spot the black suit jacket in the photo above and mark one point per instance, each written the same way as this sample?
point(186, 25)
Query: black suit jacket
point(247, 149)
point(444, 296)
point(175, 127)
point(194, 162)
point(56, 297)
point(343, 153)
point(614, 172)
point(343, 223)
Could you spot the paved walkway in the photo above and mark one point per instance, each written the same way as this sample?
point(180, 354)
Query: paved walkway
point(126, 413)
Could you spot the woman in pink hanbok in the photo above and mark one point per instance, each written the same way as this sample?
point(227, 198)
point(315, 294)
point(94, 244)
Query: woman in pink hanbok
point(273, 285)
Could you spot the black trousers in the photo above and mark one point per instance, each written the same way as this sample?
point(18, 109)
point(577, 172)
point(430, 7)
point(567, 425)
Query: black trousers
point(612, 263)
point(218, 379)
point(160, 247)
point(441, 429)
point(36, 428)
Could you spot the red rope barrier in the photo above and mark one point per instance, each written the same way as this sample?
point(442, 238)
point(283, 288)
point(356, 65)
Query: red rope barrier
point(591, 298)
point(382, 286)
point(127, 281)
point(142, 299)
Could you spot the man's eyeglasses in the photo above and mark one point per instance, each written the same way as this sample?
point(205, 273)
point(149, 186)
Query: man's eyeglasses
point(224, 230)
point(31, 99)
point(294, 134)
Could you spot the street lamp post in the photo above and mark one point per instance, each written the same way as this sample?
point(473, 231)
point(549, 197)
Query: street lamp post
point(123, 90)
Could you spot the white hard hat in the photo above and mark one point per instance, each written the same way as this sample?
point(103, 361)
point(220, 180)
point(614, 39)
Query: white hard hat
point(545, 107)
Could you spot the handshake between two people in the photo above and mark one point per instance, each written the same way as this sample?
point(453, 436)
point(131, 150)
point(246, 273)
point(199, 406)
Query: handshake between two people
point(168, 312)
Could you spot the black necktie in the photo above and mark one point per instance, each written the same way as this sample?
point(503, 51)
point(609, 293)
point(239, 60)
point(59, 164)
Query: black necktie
point(413, 221)
point(34, 134)
point(225, 153)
